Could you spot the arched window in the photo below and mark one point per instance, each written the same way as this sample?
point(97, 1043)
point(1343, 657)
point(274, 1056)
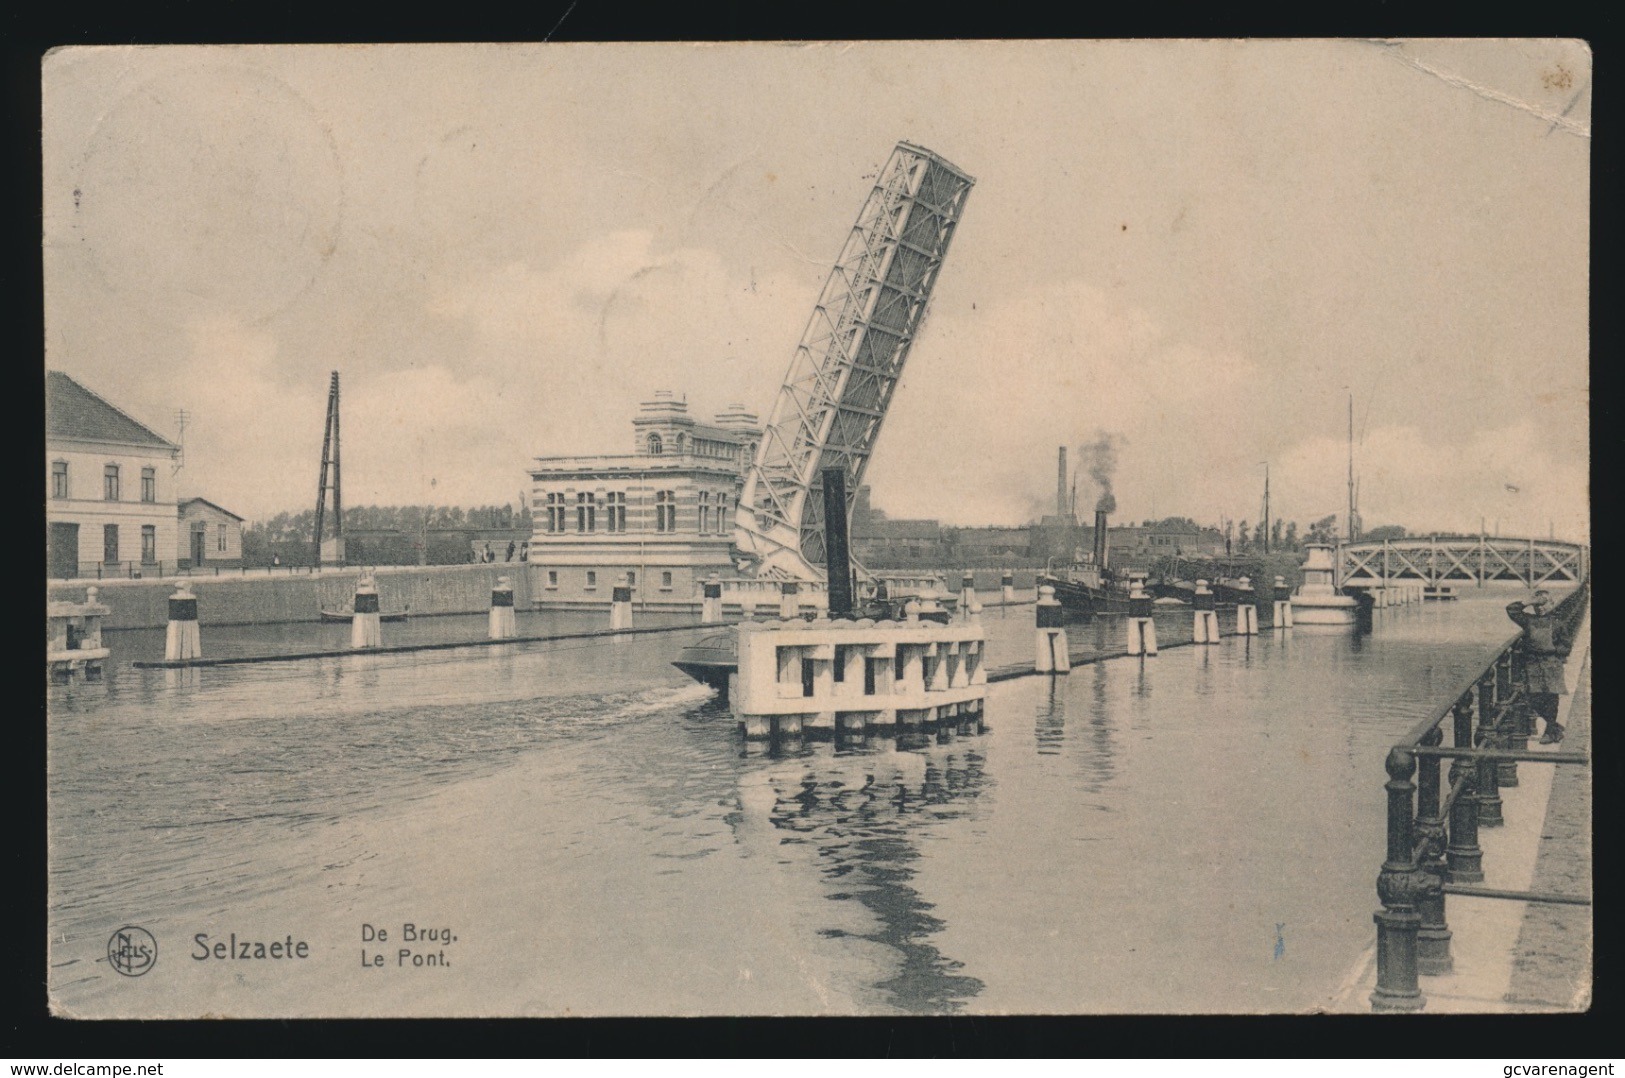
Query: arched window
point(678, 444)
point(655, 445)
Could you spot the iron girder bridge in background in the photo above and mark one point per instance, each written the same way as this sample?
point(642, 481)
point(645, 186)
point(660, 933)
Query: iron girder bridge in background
point(840, 383)
point(1474, 558)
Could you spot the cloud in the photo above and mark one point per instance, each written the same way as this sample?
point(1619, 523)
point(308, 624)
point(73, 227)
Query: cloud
point(618, 317)
point(1055, 367)
point(1406, 476)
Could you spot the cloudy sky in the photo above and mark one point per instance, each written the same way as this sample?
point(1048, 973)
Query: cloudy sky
point(1199, 249)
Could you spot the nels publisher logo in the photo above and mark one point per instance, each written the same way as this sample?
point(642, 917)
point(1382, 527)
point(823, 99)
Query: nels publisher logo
point(132, 951)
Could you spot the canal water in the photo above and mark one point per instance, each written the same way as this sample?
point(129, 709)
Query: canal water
point(585, 832)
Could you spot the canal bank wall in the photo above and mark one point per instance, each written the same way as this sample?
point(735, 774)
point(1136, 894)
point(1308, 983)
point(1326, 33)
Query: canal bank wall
point(284, 598)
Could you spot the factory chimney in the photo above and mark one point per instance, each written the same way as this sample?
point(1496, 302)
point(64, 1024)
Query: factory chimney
point(1101, 546)
point(1062, 509)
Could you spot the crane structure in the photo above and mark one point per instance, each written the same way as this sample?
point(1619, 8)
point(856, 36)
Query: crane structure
point(330, 481)
point(841, 379)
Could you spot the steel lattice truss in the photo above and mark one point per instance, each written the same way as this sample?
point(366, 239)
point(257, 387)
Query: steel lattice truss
point(840, 383)
point(1439, 559)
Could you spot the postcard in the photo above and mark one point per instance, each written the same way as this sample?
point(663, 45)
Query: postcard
point(818, 528)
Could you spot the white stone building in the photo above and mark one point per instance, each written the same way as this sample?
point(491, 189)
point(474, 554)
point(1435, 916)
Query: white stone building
point(109, 486)
point(660, 518)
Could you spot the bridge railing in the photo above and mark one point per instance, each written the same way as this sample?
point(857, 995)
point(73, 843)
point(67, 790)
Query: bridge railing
point(1434, 817)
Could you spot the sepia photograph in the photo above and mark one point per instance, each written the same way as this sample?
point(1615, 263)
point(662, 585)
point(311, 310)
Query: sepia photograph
point(818, 528)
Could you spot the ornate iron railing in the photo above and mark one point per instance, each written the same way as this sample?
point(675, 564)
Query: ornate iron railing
point(1434, 818)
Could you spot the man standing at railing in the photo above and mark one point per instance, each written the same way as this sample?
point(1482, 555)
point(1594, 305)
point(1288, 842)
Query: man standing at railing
point(1546, 644)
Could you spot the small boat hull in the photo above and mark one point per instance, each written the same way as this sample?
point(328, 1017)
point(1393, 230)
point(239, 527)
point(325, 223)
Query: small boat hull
point(347, 616)
point(711, 660)
point(1083, 601)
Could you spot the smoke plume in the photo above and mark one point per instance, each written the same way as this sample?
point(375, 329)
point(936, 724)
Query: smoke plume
point(1100, 458)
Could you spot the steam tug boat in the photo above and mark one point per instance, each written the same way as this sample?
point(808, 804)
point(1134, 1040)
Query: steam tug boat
point(1090, 587)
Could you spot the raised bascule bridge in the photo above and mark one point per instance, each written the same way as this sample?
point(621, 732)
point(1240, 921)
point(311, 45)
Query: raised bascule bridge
point(840, 384)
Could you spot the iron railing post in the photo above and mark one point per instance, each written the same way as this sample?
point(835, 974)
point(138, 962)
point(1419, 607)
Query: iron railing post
point(1523, 727)
point(1433, 936)
point(1464, 859)
point(1506, 720)
point(1400, 886)
point(1489, 788)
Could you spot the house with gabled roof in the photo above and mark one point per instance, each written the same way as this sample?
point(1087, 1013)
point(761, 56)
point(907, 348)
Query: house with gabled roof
point(109, 486)
point(210, 536)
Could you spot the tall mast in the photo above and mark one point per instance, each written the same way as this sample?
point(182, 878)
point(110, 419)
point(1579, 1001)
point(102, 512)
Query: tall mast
point(338, 485)
point(1351, 468)
point(1266, 507)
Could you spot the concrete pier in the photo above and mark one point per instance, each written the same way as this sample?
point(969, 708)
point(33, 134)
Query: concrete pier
point(789, 600)
point(73, 636)
point(829, 678)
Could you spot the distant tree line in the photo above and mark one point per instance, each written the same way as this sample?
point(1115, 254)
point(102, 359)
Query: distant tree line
point(1245, 538)
point(388, 534)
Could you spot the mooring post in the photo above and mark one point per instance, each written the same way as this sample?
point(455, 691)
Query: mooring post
point(181, 637)
point(711, 603)
point(1142, 630)
point(1433, 935)
point(1050, 653)
point(620, 607)
point(1464, 859)
point(1246, 609)
point(502, 619)
point(1489, 786)
point(1281, 616)
point(967, 593)
point(365, 628)
point(1007, 588)
point(1205, 627)
point(1401, 886)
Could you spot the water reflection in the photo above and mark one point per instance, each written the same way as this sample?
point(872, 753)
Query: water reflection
point(1050, 727)
point(1100, 761)
point(866, 827)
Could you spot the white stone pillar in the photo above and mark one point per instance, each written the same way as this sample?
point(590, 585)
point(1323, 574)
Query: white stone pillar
point(502, 625)
point(181, 638)
point(620, 607)
point(1050, 653)
point(711, 603)
point(366, 631)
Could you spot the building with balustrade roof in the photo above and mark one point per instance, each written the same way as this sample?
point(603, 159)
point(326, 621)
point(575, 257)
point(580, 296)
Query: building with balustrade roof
point(660, 518)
